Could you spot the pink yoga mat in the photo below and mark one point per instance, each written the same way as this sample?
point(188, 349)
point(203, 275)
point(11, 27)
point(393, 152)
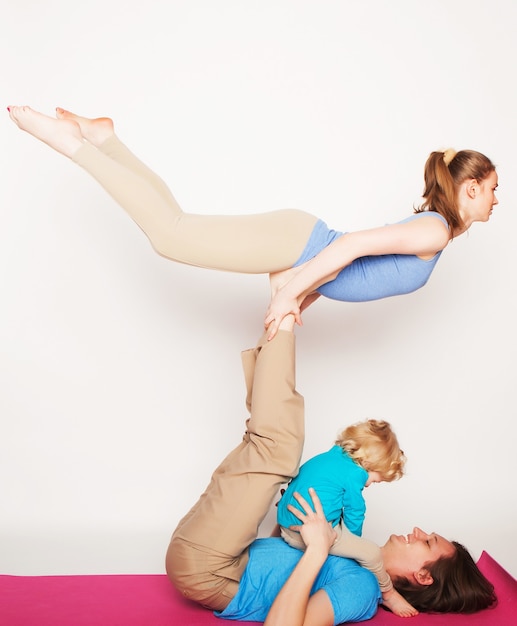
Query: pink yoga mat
point(150, 600)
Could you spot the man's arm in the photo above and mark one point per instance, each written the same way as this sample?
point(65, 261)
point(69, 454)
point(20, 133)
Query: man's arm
point(294, 605)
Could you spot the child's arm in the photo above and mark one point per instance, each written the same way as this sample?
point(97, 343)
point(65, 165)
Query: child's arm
point(368, 554)
point(353, 505)
point(294, 604)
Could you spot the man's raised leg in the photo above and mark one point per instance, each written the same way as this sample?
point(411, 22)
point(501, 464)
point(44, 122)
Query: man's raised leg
point(215, 535)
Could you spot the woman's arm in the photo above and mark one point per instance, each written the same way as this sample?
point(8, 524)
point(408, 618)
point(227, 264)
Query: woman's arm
point(423, 237)
point(294, 605)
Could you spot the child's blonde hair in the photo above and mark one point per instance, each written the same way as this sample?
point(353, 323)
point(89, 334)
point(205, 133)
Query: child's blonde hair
point(374, 446)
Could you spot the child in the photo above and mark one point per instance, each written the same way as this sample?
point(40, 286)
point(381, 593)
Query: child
point(365, 453)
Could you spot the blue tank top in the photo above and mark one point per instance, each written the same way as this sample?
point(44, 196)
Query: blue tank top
point(371, 277)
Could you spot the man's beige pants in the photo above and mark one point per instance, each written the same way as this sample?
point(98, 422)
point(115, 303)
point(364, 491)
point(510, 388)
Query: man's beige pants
point(208, 550)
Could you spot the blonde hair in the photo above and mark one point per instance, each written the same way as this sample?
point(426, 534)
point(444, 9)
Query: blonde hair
point(444, 171)
point(374, 446)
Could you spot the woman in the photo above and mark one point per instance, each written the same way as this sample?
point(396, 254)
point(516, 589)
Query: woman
point(304, 257)
point(215, 559)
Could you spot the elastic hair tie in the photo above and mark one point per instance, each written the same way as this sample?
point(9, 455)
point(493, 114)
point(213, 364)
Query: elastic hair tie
point(449, 155)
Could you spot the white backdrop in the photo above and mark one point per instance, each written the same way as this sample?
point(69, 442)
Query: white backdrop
point(120, 385)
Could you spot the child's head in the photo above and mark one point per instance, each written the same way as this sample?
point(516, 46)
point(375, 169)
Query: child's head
point(373, 445)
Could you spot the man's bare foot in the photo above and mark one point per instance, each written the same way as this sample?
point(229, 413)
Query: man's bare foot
point(308, 300)
point(287, 323)
point(278, 279)
point(62, 135)
point(95, 130)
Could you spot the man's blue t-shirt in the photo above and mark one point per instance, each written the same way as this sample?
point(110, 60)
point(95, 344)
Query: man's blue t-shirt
point(353, 591)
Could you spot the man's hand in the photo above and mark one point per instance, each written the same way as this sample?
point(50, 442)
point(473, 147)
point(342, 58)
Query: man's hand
point(316, 532)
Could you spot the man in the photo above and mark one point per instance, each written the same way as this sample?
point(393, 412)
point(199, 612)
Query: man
point(215, 559)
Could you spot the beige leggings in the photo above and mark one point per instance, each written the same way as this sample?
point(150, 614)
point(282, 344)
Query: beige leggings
point(365, 552)
point(253, 244)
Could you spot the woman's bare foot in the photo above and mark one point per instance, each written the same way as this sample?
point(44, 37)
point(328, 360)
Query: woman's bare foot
point(95, 130)
point(62, 135)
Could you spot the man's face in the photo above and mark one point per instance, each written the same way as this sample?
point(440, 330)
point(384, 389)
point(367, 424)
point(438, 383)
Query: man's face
point(407, 555)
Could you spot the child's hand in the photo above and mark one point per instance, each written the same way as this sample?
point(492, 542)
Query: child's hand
point(397, 604)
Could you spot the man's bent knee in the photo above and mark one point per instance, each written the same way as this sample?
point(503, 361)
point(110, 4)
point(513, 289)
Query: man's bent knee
point(202, 575)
